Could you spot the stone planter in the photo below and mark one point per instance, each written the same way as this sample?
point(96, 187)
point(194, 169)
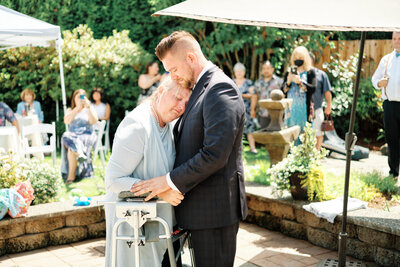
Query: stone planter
point(298, 192)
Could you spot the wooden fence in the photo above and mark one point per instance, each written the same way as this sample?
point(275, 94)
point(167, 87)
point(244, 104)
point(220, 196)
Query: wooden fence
point(374, 50)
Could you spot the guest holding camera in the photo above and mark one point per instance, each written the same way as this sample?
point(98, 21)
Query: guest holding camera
point(77, 143)
point(29, 104)
point(299, 83)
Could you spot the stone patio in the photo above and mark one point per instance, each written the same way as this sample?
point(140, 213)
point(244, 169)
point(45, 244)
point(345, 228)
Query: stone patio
point(256, 247)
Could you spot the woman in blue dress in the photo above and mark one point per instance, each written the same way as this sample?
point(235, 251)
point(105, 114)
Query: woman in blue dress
point(250, 100)
point(78, 142)
point(299, 84)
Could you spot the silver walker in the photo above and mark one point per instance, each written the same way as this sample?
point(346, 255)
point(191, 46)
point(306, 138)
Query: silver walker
point(136, 212)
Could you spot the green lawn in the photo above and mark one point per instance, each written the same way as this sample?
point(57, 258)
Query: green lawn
point(88, 187)
point(256, 165)
point(364, 186)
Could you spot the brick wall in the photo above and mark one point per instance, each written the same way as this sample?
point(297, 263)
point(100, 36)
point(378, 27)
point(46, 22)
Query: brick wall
point(365, 243)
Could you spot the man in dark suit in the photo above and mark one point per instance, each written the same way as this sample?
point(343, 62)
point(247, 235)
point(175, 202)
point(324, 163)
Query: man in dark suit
point(208, 167)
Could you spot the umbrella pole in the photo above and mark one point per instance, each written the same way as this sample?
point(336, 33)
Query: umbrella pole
point(351, 139)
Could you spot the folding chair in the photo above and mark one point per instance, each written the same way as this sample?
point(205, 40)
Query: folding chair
point(107, 136)
point(99, 148)
point(40, 128)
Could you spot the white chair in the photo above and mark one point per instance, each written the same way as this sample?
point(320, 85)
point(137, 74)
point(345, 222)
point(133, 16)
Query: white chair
point(9, 139)
point(107, 136)
point(39, 129)
point(99, 148)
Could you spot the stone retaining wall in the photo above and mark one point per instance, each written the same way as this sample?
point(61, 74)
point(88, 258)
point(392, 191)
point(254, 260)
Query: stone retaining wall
point(372, 235)
point(49, 225)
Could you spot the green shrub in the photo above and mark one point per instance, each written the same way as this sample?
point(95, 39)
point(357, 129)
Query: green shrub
point(45, 179)
point(385, 185)
point(369, 105)
point(10, 171)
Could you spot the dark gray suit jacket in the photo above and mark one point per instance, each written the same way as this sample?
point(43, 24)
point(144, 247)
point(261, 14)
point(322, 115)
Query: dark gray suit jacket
point(208, 166)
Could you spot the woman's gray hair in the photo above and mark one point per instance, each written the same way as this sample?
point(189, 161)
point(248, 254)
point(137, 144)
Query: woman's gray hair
point(239, 66)
point(167, 84)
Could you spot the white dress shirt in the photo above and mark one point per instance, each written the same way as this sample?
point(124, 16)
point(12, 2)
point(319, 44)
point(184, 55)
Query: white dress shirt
point(393, 73)
point(208, 66)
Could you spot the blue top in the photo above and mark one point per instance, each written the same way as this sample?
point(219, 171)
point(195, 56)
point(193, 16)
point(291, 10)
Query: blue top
point(36, 107)
point(6, 114)
point(298, 109)
point(323, 86)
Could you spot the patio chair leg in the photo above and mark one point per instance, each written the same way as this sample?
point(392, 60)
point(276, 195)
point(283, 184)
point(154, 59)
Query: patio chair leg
point(102, 158)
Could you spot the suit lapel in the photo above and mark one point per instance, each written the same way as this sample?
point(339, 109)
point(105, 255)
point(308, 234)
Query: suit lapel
point(198, 90)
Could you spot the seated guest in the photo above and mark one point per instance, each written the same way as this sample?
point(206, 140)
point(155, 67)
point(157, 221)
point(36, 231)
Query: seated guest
point(29, 104)
point(78, 142)
point(263, 87)
point(102, 108)
point(6, 113)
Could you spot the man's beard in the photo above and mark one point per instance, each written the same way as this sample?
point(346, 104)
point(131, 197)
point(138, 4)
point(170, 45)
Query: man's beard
point(188, 83)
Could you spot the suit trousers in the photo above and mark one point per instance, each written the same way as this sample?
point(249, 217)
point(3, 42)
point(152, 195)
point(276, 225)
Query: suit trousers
point(215, 247)
point(391, 120)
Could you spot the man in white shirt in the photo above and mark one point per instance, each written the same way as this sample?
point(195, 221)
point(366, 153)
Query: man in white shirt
point(387, 79)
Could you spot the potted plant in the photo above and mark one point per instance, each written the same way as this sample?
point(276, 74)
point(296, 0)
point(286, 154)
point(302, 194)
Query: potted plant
point(300, 172)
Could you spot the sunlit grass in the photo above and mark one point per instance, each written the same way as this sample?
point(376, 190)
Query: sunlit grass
point(88, 187)
point(256, 165)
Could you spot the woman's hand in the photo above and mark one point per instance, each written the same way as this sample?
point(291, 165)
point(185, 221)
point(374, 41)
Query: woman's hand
point(296, 79)
point(289, 78)
point(86, 103)
point(172, 197)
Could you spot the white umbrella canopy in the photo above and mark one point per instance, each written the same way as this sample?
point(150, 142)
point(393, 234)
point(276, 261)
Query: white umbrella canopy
point(323, 15)
point(17, 29)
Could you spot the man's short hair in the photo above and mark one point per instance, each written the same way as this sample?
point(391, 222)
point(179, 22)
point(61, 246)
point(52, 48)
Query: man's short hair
point(167, 43)
point(268, 63)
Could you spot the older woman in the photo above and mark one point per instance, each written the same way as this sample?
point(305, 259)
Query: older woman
point(78, 142)
point(299, 83)
point(143, 148)
point(250, 99)
point(29, 103)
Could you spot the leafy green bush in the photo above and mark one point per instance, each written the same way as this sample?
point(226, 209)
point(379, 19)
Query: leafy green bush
point(304, 159)
point(369, 105)
point(10, 171)
point(45, 179)
point(385, 185)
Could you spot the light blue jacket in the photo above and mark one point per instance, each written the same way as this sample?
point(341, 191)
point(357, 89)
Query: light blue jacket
point(36, 107)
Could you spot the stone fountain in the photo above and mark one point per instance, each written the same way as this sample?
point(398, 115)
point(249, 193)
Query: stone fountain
point(276, 137)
